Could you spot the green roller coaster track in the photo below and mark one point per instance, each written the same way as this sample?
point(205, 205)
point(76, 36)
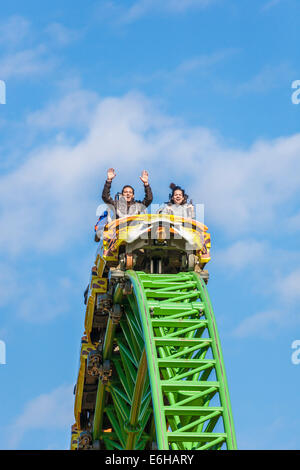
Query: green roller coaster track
point(166, 387)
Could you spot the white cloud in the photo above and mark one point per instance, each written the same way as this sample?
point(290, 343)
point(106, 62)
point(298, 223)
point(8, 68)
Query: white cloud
point(58, 186)
point(286, 291)
point(293, 223)
point(270, 4)
point(47, 411)
point(289, 286)
point(24, 55)
point(61, 34)
point(140, 8)
point(201, 64)
point(264, 81)
point(267, 79)
point(35, 305)
point(205, 61)
point(75, 110)
point(28, 62)
point(261, 324)
point(8, 282)
point(245, 189)
point(13, 31)
point(25, 293)
point(143, 7)
point(240, 254)
point(49, 194)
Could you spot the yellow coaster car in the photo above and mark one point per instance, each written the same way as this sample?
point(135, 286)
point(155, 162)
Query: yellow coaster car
point(95, 318)
point(74, 437)
point(86, 386)
point(153, 243)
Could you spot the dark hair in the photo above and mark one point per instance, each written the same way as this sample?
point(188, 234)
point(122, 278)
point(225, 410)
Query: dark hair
point(127, 186)
point(174, 188)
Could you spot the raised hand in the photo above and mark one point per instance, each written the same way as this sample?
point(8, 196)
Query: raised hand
point(111, 174)
point(145, 177)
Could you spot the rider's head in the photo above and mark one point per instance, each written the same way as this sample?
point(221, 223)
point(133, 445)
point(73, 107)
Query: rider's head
point(178, 195)
point(128, 193)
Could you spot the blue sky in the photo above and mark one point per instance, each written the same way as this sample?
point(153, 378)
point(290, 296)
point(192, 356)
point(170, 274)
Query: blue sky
point(197, 92)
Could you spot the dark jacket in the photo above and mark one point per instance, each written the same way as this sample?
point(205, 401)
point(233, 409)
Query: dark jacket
point(122, 207)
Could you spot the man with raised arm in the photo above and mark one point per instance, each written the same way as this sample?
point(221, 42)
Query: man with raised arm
point(125, 204)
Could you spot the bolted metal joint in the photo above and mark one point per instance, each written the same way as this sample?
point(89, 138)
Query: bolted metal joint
point(105, 372)
point(116, 314)
point(116, 275)
point(84, 440)
point(94, 363)
point(127, 288)
point(132, 428)
point(204, 274)
point(103, 304)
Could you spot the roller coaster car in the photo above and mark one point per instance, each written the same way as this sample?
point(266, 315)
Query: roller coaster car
point(151, 372)
point(159, 243)
point(86, 386)
point(153, 243)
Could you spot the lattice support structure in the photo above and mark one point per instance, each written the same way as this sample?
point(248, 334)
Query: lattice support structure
point(168, 386)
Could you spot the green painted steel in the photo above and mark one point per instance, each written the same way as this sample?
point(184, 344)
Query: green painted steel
point(168, 386)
